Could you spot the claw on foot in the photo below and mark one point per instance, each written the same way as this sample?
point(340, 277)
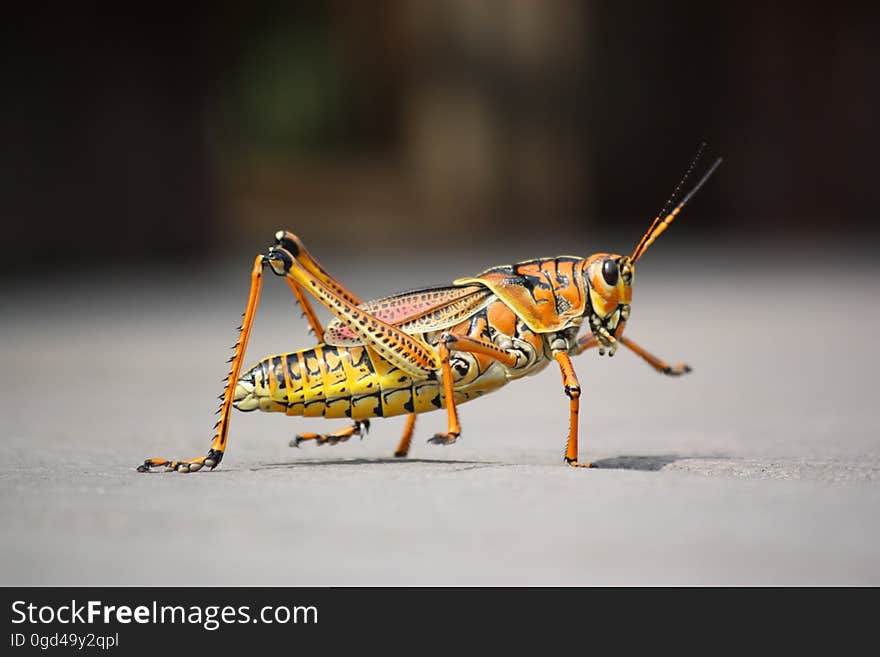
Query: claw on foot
point(443, 439)
point(677, 370)
point(211, 461)
point(576, 464)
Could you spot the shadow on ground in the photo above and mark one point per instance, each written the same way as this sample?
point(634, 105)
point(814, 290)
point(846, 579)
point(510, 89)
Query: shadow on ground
point(712, 466)
point(367, 461)
point(635, 462)
point(651, 463)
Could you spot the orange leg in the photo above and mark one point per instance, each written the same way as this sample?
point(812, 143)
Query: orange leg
point(218, 445)
point(453, 428)
point(660, 365)
point(307, 309)
point(326, 288)
point(589, 341)
point(573, 390)
point(586, 342)
point(466, 344)
point(405, 440)
point(359, 428)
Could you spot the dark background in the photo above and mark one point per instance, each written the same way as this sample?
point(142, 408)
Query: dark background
point(141, 134)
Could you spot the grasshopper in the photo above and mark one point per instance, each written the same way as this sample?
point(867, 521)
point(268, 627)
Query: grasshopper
point(433, 347)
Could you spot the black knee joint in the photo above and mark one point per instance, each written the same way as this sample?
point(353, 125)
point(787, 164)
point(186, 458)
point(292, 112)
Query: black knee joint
point(280, 253)
point(283, 239)
point(573, 392)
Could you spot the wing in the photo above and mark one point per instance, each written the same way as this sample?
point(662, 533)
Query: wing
point(416, 311)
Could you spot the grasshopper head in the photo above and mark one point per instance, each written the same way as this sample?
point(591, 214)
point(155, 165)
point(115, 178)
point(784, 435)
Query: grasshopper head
point(609, 279)
point(609, 276)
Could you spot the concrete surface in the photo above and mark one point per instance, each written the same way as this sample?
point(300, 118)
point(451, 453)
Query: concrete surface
point(761, 467)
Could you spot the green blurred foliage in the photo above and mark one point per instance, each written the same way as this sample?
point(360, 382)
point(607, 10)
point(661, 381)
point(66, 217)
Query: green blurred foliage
point(290, 93)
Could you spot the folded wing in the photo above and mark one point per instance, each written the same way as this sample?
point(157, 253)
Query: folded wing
point(416, 311)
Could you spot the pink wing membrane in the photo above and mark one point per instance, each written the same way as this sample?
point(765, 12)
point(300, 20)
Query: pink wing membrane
point(417, 311)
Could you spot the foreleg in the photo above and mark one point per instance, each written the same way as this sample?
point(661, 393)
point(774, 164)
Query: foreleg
point(589, 341)
point(658, 364)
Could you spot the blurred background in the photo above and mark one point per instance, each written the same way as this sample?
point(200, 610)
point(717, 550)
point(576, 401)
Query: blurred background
point(423, 127)
point(148, 154)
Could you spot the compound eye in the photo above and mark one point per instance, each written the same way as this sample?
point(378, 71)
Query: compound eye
point(610, 272)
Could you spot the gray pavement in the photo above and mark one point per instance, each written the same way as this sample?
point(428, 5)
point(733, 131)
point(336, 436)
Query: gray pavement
point(761, 467)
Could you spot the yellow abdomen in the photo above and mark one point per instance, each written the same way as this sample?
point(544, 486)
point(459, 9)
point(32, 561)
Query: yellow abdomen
point(340, 382)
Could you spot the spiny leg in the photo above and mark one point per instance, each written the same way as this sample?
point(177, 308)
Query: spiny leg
point(359, 428)
point(307, 310)
point(218, 445)
point(573, 391)
point(405, 440)
point(660, 365)
point(467, 344)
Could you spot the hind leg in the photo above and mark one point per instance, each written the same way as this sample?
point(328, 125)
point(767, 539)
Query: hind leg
point(359, 428)
point(221, 429)
point(405, 440)
point(295, 246)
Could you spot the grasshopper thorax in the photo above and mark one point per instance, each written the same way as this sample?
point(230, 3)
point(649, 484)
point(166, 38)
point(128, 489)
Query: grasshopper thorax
point(608, 278)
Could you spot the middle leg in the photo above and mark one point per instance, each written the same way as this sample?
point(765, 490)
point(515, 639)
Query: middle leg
point(452, 342)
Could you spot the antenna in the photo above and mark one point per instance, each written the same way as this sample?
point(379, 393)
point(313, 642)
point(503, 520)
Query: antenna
point(658, 225)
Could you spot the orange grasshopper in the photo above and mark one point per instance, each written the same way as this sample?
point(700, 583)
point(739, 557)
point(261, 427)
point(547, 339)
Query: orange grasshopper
point(432, 347)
